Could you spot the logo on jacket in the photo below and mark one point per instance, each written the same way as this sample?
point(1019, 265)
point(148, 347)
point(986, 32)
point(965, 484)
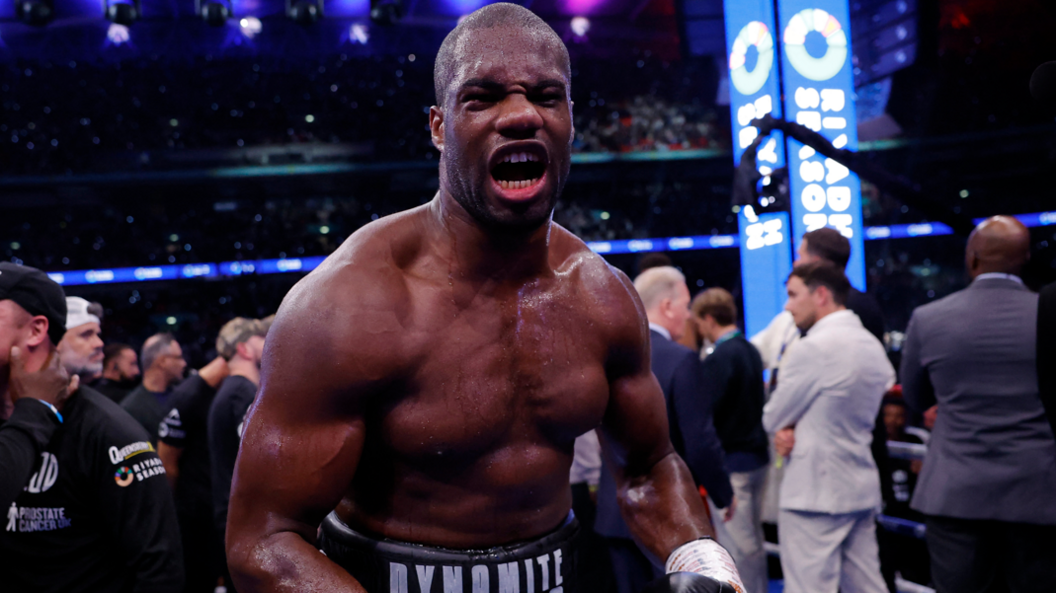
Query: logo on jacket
point(46, 476)
point(129, 451)
point(32, 519)
point(123, 477)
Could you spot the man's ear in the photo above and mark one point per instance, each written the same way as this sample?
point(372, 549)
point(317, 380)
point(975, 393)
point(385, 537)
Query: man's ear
point(37, 331)
point(436, 127)
point(242, 349)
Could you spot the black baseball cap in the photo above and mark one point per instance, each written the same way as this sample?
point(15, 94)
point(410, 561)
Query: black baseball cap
point(37, 294)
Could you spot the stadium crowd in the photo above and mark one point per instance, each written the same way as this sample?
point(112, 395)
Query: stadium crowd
point(61, 118)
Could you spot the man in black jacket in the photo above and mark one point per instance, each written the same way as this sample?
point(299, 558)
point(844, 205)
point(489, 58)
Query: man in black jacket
point(163, 367)
point(733, 378)
point(96, 515)
point(665, 297)
point(28, 296)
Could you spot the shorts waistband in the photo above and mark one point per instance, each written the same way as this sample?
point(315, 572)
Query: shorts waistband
point(541, 565)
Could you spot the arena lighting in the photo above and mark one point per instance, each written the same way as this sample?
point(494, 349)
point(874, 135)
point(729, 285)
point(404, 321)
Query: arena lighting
point(122, 12)
point(214, 12)
point(35, 12)
point(385, 12)
point(117, 34)
point(580, 26)
point(304, 12)
point(250, 26)
point(359, 33)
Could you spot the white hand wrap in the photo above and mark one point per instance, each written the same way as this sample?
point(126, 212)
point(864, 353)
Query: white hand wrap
point(706, 557)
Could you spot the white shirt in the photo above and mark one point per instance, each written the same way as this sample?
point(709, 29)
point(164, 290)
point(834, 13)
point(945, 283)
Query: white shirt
point(660, 330)
point(586, 460)
point(830, 389)
point(998, 275)
point(774, 342)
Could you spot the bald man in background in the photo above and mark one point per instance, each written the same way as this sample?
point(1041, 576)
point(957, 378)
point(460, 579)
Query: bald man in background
point(988, 486)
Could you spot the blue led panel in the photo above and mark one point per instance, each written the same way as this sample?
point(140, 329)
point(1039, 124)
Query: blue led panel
point(755, 88)
point(766, 260)
point(819, 93)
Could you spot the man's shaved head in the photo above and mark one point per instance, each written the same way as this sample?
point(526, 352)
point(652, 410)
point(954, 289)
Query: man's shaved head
point(999, 244)
point(502, 14)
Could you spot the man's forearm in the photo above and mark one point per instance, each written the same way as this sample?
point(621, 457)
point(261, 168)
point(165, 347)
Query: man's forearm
point(285, 562)
point(663, 507)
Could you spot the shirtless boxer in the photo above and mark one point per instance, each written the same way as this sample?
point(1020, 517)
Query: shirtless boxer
point(428, 381)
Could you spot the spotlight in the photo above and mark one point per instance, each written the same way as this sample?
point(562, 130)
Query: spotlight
point(359, 33)
point(580, 26)
point(213, 12)
point(385, 12)
point(117, 34)
point(250, 26)
point(35, 12)
point(122, 12)
point(305, 12)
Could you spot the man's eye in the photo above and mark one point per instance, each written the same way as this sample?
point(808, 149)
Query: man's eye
point(479, 97)
point(548, 98)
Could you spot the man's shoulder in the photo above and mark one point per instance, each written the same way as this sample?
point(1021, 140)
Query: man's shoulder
point(96, 417)
point(233, 391)
point(610, 291)
point(737, 348)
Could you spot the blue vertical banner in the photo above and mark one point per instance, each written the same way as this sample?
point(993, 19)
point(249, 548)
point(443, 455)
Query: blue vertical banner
point(752, 41)
point(755, 87)
point(765, 264)
point(818, 86)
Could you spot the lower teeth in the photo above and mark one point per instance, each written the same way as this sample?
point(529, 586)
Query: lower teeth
point(517, 184)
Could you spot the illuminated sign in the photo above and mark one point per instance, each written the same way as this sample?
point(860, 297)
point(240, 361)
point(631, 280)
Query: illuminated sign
point(766, 261)
point(755, 88)
point(818, 85)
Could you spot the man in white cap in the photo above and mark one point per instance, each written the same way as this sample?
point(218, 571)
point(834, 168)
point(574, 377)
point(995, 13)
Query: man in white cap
point(81, 347)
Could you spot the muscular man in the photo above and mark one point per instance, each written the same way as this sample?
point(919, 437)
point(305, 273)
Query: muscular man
point(428, 381)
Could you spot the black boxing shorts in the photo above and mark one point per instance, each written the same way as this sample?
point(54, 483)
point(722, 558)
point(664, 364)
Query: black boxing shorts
point(544, 565)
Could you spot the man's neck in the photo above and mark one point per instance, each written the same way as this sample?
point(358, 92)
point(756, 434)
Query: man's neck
point(478, 252)
point(720, 332)
point(824, 312)
point(155, 381)
point(656, 324)
point(112, 375)
point(241, 367)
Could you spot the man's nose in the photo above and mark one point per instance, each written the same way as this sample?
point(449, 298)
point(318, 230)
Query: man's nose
point(520, 118)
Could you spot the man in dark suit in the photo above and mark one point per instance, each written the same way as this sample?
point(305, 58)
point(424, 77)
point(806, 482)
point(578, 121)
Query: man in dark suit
point(1047, 351)
point(665, 297)
point(989, 477)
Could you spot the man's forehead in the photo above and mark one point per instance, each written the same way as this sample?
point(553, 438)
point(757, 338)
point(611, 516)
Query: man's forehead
point(498, 53)
point(85, 327)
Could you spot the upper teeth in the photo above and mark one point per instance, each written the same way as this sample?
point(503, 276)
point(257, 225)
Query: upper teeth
point(520, 157)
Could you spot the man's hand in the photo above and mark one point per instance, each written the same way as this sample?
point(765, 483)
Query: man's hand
point(51, 384)
point(784, 440)
point(930, 415)
point(730, 510)
point(214, 372)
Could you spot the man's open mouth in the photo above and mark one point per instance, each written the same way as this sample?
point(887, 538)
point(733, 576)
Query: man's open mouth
point(519, 170)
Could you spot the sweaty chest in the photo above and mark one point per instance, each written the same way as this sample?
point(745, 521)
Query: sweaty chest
point(498, 371)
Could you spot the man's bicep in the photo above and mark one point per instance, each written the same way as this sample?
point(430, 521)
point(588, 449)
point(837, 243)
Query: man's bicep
point(635, 426)
point(294, 469)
